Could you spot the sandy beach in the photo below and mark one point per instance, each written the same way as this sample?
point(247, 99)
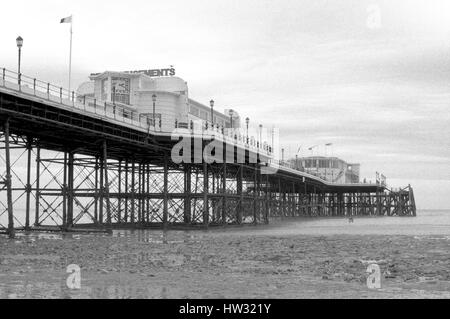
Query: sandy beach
point(250, 262)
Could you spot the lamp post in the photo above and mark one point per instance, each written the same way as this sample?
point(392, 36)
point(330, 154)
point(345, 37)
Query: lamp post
point(328, 160)
point(113, 97)
point(273, 139)
point(212, 112)
point(231, 118)
point(296, 158)
point(247, 121)
point(316, 164)
point(260, 135)
point(154, 109)
point(19, 42)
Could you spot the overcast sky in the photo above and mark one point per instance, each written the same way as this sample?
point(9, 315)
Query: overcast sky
point(371, 77)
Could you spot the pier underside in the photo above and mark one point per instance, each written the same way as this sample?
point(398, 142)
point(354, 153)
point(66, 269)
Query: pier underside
point(65, 171)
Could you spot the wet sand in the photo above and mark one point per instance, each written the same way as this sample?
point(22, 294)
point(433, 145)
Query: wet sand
point(263, 262)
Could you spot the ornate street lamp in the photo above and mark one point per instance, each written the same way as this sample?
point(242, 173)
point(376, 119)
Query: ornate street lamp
point(231, 118)
point(260, 135)
point(19, 42)
point(247, 121)
point(154, 109)
point(212, 112)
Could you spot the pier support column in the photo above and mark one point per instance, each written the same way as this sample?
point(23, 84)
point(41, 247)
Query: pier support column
point(372, 206)
point(340, 204)
point(133, 193)
point(205, 194)
point(64, 194)
point(318, 203)
point(119, 199)
point(139, 187)
point(224, 195)
point(285, 205)
point(379, 210)
point(38, 187)
point(267, 201)
point(127, 188)
point(187, 193)
point(255, 194)
point(143, 197)
point(358, 204)
point(305, 200)
point(101, 190)
point(8, 182)
point(96, 190)
point(70, 190)
point(108, 202)
point(240, 179)
point(166, 192)
point(143, 192)
point(349, 204)
point(412, 201)
point(147, 212)
point(28, 186)
point(294, 203)
point(279, 202)
point(299, 200)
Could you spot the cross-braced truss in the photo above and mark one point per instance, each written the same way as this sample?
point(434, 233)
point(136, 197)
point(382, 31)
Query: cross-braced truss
point(73, 187)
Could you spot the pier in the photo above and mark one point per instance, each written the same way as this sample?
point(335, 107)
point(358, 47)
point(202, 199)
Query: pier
point(75, 164)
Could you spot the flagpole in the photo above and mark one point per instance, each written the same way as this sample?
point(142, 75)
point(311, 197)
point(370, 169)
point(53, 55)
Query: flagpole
point(70, 57)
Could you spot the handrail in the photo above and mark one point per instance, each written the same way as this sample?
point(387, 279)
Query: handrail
point(87, 104)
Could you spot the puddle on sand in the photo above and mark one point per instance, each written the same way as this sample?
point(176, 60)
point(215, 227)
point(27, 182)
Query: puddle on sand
point(159, 237)
point(145, 236)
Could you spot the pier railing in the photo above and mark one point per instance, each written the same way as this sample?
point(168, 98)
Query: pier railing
point(57, 94)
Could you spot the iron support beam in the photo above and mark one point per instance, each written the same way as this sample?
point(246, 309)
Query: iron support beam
point(28, 186)
point(96, 190)
point(255, 194)
point(119, 188)
point(187, 193)
point(224, 194)
point(166, 191)
point(133, 192)
point(71, 191)
point(8, 181)
point(38, 190)
point(240, 181)
point(205, 194)
point(106, 187)
point(64, 192)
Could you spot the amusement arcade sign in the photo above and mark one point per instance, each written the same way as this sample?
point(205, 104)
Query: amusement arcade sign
point(156, 72)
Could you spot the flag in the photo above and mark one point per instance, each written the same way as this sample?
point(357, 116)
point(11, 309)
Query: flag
point(67, 20)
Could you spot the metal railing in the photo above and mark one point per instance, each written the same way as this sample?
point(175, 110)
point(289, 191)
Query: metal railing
point(235, 136)
point(84, 104)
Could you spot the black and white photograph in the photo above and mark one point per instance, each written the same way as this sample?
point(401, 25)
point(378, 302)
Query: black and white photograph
point(235, 151)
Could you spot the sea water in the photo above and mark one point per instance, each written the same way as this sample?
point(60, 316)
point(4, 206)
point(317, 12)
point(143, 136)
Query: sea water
point(427, 223)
